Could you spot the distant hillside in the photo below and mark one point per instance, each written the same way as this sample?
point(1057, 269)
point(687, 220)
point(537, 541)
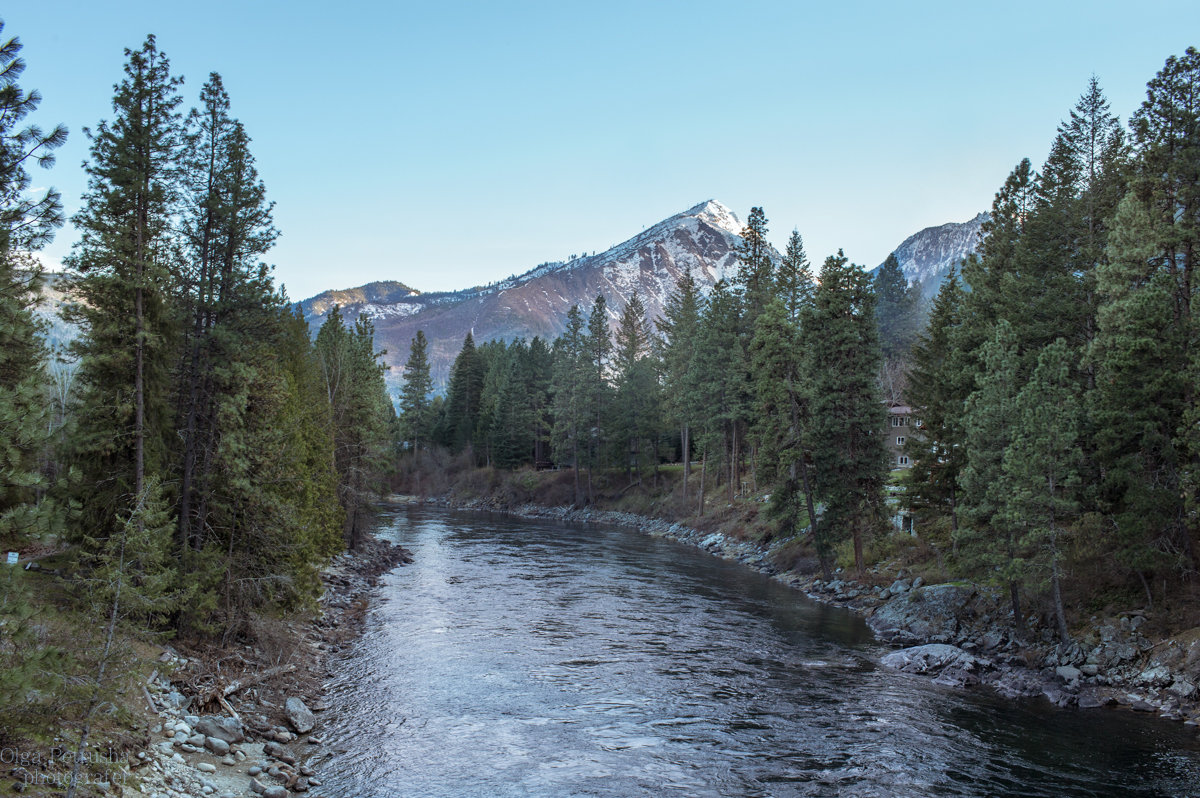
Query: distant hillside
point(536, 303)
point(927, 256)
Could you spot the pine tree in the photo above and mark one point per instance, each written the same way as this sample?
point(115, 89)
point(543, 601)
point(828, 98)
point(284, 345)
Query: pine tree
point(360, 415)
point(1166, 134)
point(537, 375)
point(794, 283)
point(570, 409)
point(898, 310)
point(992, 541)
point(680, 327)
point(849, 458)
point(986, 272)
point(938, 387)
point(637, 402)
point(26, 223)
point(229, 297)
point(122, 265)
point(1141, 382)
point(414, 397)
point(1042, 468)
point(721, 385)
point(28, 665)
point(462, 399)
point(755, 277)
point(597, 388)
point(783, 418)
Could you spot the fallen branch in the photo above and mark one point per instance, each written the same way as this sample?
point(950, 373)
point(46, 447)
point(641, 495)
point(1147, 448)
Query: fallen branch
point(219, 694)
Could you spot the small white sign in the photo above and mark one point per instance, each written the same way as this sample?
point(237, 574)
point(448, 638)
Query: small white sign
point(13, 557)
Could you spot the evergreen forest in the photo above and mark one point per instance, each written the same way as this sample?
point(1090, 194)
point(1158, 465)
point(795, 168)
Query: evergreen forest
point(194, 458)
point(1052, 441)
point(197, 456)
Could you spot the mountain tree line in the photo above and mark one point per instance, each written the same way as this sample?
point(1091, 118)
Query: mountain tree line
point(767, 383)
point(1057, 377)
point(212, 456)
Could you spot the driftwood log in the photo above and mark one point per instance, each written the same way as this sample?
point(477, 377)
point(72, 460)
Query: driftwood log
point(220, 692)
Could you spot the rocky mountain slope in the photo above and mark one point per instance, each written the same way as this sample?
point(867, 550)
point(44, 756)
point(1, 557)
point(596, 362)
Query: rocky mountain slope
point(927, 256)
point(536, 303)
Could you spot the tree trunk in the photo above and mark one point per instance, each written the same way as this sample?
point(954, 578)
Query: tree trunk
point(687, 459)
point(1056, 586)
point(1018, 621)
point(826, 570)
point(703, 473)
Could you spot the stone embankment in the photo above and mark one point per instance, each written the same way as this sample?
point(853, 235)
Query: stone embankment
point(960, 634)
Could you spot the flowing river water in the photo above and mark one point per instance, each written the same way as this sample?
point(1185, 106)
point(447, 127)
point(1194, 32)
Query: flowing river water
point(533, 658)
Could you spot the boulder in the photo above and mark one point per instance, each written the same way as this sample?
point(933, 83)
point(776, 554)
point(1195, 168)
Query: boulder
point(1182, 688)
point(927, 615)
point(227, 729)
point(1159, 676)
point(299, 716)
point(1068, 674)
point(216, 745)
point(950, 666)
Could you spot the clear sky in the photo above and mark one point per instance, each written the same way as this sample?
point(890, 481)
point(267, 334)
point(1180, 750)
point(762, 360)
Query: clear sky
point(445, 144)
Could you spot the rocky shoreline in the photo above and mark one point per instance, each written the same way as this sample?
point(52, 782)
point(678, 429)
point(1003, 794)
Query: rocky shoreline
point(959, 634)
point(258, 733)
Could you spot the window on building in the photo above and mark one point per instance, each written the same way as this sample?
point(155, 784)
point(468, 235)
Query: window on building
point(899, 440)
point(920, 423)
point(895, 421)
point(902, 460)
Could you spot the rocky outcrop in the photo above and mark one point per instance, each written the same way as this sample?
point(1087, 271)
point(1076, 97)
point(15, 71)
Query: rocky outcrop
point(925, 614)
point(927, 257)
point(948, 665)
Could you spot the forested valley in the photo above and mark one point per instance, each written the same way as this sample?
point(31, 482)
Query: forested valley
point(1049, 438)
point(185, 468)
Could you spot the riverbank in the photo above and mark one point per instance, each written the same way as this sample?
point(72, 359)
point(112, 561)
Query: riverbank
point(230, 721)
point(957, 634)
point(258, 732)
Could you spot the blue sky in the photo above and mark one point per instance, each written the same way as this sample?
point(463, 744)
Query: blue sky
point(449, 144)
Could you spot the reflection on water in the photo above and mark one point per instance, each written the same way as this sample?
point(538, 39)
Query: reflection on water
point(523, 658)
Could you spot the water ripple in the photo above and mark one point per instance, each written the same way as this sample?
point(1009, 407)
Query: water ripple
point(520, 658)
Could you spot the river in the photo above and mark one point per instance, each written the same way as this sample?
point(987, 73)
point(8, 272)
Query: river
point(533, 658)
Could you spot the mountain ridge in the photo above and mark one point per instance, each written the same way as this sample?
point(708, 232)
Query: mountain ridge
point(702, 238)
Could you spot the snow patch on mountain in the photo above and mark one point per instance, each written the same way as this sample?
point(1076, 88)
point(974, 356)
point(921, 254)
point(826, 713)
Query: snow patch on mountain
point(928, 256)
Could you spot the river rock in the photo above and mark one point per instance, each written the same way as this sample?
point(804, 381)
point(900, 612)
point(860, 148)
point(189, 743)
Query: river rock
point(275, 792)
point(176, 700)
point(1182, 688)
point(227, 729)
point(299, 716)
point(1018, 683)
point(1159, 676)
point(951, 664)
point(1068, 674)
point(216, 745)
point(929, 615)
point(206, 767)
